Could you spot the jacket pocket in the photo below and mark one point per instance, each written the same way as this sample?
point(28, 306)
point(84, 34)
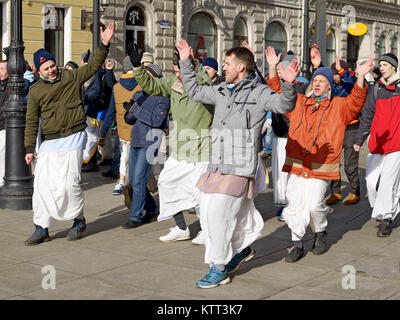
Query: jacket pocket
point(49, 125)
point(72, 115)
point(240, 151)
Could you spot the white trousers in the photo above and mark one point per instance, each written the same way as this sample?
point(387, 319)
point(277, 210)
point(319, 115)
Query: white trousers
point(385, 197)
point(279, 178)
point(177, 186)
point(57, 192)
point(91, 142)
point(124, 159)
point(229, 224)
point(305, 205)
point(2, 156)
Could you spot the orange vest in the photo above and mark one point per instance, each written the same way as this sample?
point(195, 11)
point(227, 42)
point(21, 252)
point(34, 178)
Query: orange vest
point(122, 95)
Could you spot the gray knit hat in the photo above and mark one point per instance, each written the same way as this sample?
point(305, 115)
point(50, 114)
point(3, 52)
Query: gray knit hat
point(147, 57)
point(127, 64)
point(390, 58)
point(155, 70)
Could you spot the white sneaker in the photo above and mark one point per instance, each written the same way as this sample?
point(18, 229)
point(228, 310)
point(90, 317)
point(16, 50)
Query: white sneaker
point(176, 234)
point(199, 240)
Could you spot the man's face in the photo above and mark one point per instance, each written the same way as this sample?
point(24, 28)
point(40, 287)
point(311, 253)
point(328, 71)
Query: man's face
point(3, 71)
point(320, 85)
point(49, 70)
point(231, 68)
point(336, 78)
point(212, 73)
point(387, 70)
point(177, 72)
point(33, 67)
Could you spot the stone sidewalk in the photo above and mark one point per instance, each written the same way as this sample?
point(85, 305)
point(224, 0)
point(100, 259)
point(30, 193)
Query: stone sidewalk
point(114, 263)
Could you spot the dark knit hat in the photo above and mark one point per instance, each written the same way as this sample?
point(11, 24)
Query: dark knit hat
point(390, 58)
point(327, 73)
point(41, 56)
point(155, 70)
point(210, 62)
point(72, 64)
point(127, 64)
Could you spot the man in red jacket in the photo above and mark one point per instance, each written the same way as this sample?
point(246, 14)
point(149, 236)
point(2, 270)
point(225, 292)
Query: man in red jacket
point(314, 146)
point(381, 117)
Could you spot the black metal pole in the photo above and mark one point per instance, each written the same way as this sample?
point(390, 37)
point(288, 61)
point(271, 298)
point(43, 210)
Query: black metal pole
point(16, 194)
point(306, 55)
point(96, 24)
point(320, 27)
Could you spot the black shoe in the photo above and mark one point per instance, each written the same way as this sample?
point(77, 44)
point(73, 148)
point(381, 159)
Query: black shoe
point(110, 174)
point(40, 235)
point(130, 224)
point(90, 167)
point(149, 218)
point(77, 229)
point(385, 228)
point(295, 255)
point(320, 245)
point(106, 162)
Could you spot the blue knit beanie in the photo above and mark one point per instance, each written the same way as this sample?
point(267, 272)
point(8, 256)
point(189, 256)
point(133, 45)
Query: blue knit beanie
point(211, 62)
point(327, 73)
point(41, 56)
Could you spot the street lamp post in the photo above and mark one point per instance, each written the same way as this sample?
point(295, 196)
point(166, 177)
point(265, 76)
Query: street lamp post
point(320, 27)
point(306, 56)
point(96, 24)
point(16, 194)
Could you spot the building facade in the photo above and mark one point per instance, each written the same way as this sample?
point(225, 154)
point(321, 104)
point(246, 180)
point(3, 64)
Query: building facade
point(214, 26)
point(54, 25)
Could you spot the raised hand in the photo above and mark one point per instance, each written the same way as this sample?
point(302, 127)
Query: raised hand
point(107, 34)
point(315, 56)
point(185, 51)
point(272, 58)
point(290, 73)
point(337, 64)
point(135, 55)
point(363, 69)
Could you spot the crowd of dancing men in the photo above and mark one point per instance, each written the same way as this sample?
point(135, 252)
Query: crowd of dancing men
point(213, 132)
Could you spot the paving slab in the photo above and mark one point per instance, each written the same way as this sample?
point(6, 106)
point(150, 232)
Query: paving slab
point(301, 293)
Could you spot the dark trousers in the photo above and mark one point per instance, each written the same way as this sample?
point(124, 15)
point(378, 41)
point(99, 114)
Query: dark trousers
point(350, 162)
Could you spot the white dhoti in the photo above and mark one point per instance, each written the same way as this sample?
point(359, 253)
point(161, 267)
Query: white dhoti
point(57, 192)
point(383, 184)
point(91, 142)
point(229, 224)
point(305, 205)
point(2, 155)
point(124, 159)
point(177, 186)
point(279, 178)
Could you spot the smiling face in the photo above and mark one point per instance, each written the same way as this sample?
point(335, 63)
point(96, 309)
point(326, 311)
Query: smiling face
point(320, 85)
point(232, 68)
point(387, 70)
point(49, 70)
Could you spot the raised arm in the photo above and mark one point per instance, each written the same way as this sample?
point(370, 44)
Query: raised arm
point(31, 125)
point(196, 92)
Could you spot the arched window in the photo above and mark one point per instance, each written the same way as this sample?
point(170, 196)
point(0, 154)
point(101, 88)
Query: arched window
point(330, 47)
point(240, 32)
point(275, 36)
point(381, 46)
point(135, 27)
point(202, 36)
point(394, 45)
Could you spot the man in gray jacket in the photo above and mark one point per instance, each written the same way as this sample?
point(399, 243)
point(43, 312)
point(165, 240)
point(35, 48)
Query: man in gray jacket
point(228, 217)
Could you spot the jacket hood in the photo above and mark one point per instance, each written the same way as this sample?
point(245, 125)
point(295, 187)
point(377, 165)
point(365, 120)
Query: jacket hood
point(128, 81)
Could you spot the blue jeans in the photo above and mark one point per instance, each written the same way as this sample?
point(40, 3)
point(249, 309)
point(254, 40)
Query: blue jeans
point(139, 172)
point(267, 140)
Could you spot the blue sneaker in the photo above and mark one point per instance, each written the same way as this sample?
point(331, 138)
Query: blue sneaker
point(245, 255)
point(40, 235)
point(213, 279)
point(279, 214)
point(77, 229)
point(118, 189)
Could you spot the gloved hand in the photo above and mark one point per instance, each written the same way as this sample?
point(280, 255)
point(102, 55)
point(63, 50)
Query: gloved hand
point(135, 54)
point(130, 106)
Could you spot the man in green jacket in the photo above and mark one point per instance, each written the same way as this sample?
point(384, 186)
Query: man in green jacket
point(55, 99)
point(189, 141)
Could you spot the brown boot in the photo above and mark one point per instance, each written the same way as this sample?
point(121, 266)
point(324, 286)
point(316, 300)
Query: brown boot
point(351, 199)
point(333, 198)
point(128, 192)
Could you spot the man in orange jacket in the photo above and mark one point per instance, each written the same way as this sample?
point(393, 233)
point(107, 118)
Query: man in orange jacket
point(315, 142)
